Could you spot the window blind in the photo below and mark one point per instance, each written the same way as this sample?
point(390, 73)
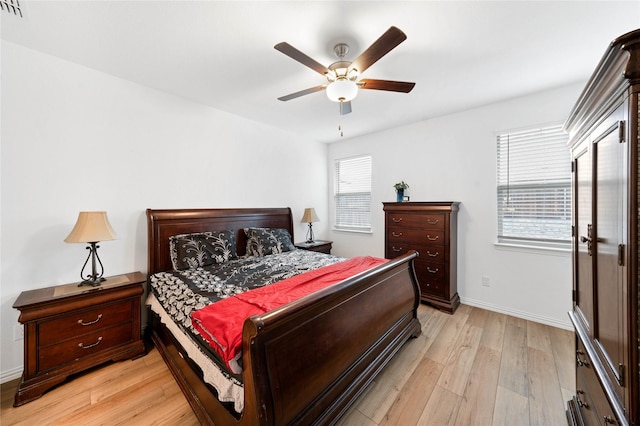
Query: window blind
point(353, 194)
point(534, 187)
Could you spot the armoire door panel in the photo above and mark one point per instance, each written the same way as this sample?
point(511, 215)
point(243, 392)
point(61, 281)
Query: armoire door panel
point(583, 244)
point(608, 202)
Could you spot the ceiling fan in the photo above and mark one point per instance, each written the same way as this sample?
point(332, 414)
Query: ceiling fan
point(343, 76)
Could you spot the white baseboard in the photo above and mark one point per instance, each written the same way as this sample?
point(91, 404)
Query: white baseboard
point(566, 325)
point(7, 376)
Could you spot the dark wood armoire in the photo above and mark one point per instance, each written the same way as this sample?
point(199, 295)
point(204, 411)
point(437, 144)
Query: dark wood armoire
point(603, 131)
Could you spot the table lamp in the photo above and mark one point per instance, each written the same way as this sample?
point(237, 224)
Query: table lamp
point(91, 227)
point(309, 217)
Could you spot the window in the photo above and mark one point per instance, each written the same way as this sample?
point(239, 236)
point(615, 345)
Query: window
point(353, 194)
point(534, 188)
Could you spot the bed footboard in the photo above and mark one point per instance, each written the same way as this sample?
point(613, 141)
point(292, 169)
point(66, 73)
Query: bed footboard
point(305, 363)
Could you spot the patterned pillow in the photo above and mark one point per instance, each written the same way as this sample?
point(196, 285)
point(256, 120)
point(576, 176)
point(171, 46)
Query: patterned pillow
point(264, 241)
point(202, 249)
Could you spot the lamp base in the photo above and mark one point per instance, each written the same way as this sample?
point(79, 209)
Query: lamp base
point(92, 282)
point(310, 237)
point(94, 279)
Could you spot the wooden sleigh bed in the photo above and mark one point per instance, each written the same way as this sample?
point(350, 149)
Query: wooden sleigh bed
point(290, 374)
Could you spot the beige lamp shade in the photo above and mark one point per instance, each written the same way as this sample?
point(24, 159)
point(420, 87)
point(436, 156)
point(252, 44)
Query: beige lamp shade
point(91, 227)
point(310, 216)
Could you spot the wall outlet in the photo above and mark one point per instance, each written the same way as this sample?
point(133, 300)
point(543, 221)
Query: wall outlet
point(18, 332)
point(486, 282)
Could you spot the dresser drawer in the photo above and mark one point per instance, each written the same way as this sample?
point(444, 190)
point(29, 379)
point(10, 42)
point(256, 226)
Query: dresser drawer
point(591, 386)
point(85, 345)
point(412, 220)
point(584, 402)
point(415, 236)
point(431, 277)
point(433, 253)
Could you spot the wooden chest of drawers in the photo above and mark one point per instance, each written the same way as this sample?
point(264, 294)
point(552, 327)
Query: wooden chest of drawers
point(68, 329)
point(430, 228)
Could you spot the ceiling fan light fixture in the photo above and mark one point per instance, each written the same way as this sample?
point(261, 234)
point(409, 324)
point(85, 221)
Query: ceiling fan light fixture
point(342, 90)
point(343, 76)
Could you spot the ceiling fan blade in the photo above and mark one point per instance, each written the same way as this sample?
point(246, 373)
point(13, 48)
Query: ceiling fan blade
point(301, 93)
point(387, 41)
point(388, 85)
point(297, 55)
point(345, 107)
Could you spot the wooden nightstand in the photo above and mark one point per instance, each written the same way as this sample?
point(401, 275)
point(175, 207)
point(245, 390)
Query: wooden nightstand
point(317, 245)
point(68, 329)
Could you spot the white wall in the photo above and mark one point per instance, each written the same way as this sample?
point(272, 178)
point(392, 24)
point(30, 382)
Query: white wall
point(453, 158)
point(75, 139)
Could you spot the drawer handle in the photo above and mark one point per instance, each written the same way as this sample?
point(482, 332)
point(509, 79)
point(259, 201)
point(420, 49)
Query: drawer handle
point(93, 345)
point(433, 222)
point(608, 420)
point(90, 322)
point(396, 220)
point(581, 403)
point(431, 270)
point(580, 362)
point(432, 254)
point(396, 235)
point(396, 249)
point(430, 238)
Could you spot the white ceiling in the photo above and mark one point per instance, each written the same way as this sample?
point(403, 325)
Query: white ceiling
point(461, 54)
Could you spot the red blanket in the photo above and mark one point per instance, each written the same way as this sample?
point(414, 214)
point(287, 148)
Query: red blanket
point(221, 323)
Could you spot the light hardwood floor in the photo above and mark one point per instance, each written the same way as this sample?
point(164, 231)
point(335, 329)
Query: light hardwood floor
point(472, 368)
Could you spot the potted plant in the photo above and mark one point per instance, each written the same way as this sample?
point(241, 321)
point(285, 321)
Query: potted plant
point(400, 187)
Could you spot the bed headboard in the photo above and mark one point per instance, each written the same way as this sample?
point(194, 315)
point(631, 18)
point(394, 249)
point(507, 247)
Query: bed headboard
point(162, 224)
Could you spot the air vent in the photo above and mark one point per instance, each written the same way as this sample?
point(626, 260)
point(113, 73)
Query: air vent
point(11, 6)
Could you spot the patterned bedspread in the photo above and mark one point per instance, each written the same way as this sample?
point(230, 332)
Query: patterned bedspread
point(182, 292)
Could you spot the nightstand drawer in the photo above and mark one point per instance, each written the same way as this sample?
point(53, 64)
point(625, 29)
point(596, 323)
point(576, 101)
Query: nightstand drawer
point(82, 346)
point(409, 220)
point(81, 322)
